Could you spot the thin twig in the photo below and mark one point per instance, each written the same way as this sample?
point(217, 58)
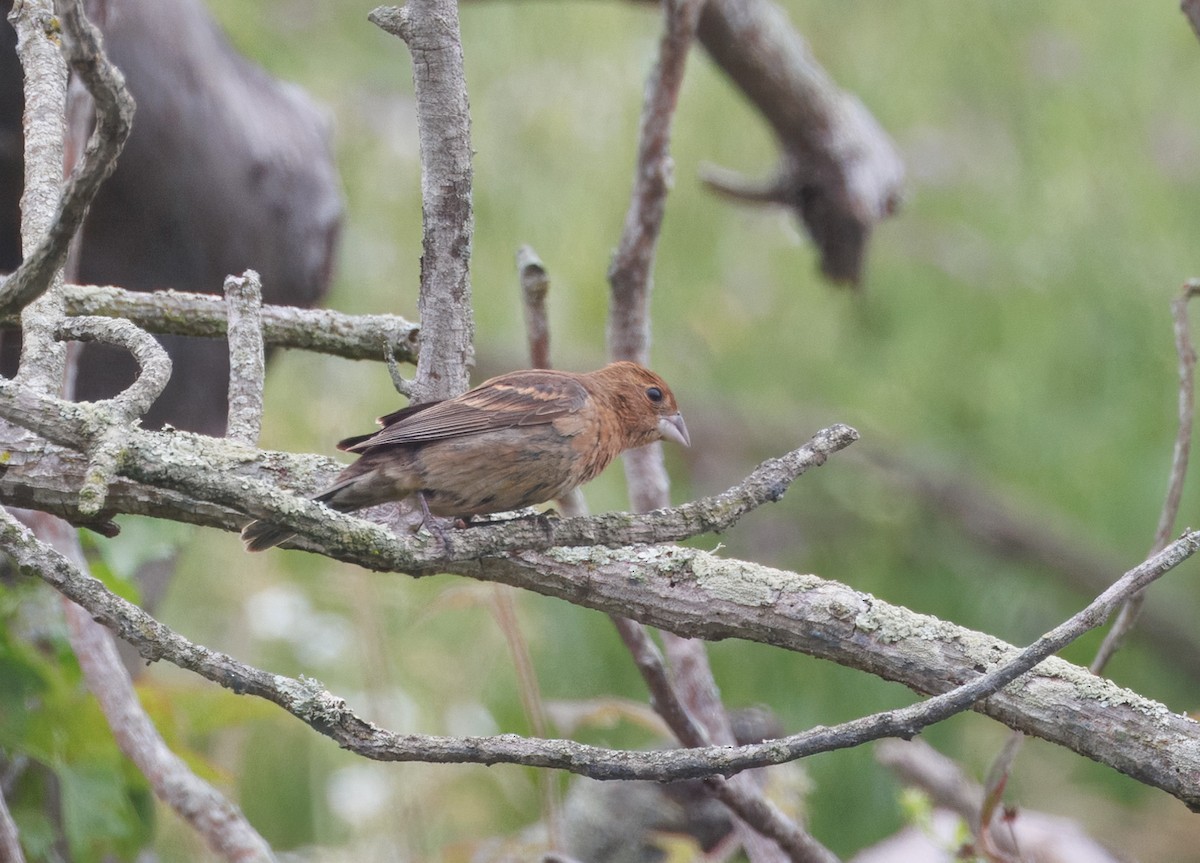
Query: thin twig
point(535, 285)
point(154, 370)
point(154, 365)
point(1128, 616)
point(247, 357)
point(10, 840)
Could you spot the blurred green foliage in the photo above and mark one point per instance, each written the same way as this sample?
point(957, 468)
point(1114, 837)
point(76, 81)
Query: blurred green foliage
point(1013, 329)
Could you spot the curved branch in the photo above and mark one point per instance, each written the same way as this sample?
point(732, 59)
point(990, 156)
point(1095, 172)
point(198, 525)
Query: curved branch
point(154, 366)
point(114, 118)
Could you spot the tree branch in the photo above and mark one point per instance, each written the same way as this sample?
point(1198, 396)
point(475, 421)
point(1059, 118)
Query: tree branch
point(840, 172)
point(234, 478)
point(247, 357)
point(430, 29)
point(1145, 740)
point(689, 702)
point(10, 840)
point(353, 337)
point(114, 118)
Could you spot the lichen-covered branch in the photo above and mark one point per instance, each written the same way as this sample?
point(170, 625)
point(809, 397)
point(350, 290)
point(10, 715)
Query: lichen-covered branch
point(248, 481)
point(1117, 727)
point(247, 357)
point(353, 337)
point(114, 117)
point(430, 29)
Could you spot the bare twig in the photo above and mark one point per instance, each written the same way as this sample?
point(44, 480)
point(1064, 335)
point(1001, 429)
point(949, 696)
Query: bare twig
point(1127, 619)
point(630, 271)
point(231, 481)
point(114, 116)
point(430, 29)
point(154, 366)
point(1172, 741)
point(247, 357)
point(43, 358)
point(10, 840)
point(154, 370)
point(535, 285)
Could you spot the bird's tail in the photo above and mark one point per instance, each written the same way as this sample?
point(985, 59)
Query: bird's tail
point(261, 535)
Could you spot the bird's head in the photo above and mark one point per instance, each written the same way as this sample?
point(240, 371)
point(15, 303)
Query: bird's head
point(643, 404)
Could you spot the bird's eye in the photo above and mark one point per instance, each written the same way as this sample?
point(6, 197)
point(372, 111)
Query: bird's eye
point(654, 394)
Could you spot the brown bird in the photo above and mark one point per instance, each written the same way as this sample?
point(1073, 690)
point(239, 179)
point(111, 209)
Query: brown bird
point(514, 441)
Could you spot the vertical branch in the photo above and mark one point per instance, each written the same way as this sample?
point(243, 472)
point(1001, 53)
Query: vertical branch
point(247, 359)
point(535, 285)
point(430, 29)
point(43, 358)
point(690, 702)
point(630, 271)
point(1179, 465)
point(48, 223)
point(738, 793)
point(629, 275)
point(10, 842)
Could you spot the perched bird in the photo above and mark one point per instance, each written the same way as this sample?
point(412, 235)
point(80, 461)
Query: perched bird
point(514, 441)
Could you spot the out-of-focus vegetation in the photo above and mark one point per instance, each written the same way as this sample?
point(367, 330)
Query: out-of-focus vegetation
point(1014, 329)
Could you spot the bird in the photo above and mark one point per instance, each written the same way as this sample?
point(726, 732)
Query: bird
point(514, 441)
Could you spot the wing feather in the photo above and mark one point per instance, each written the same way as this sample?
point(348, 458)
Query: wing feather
point(509, 401)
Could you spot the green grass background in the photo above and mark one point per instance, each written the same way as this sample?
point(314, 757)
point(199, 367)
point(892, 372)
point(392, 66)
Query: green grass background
point(1014, 328)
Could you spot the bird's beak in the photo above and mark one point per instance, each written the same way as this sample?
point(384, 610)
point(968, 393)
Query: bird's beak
point(672, 428)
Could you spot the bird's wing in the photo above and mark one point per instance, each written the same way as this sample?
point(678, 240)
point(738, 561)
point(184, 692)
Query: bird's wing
point(512, 400)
